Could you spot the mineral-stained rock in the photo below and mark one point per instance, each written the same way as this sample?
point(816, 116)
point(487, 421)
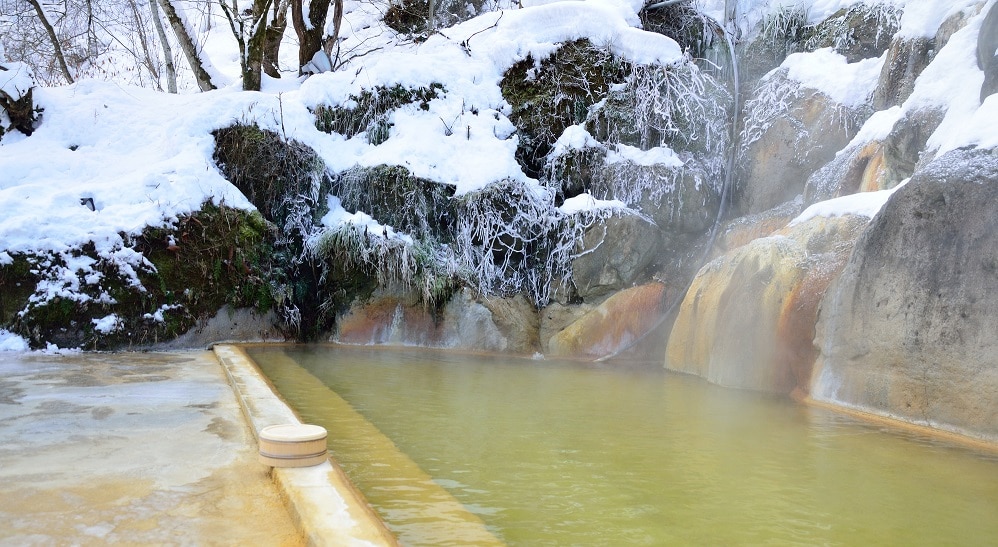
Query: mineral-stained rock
point(910, 329)
point(613, 325)
point(904, 147)
point(500, 324)
point(744, 230)
point(855, 169)
point(555, 317)
point(748, 319)
point(906, 59)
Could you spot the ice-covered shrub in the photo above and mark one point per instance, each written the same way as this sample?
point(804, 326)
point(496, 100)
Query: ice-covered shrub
point(780, 98)
point(549, 95)
point(781, 33)
point(368, 112)
point(510, 239)
point(394, 197)
point(676, 106)
point(353, 256)
point(858, 32)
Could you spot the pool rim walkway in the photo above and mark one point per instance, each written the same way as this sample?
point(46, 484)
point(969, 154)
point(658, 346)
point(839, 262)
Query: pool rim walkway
point(325, 506)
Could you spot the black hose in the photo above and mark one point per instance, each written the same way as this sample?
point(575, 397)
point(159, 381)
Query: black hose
point(722, 209)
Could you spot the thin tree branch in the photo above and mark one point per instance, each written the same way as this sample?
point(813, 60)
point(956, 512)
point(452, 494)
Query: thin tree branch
point(53, 38)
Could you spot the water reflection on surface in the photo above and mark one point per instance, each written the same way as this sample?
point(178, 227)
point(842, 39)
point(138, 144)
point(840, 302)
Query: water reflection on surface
point(559, 453)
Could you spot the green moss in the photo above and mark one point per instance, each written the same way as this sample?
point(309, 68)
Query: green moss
point(369, 111)
point(684, 23)
point(16, 285)
point(410, 17)
point(396, 198)
point(277, 176)
point(214, 257)
point(551, 94)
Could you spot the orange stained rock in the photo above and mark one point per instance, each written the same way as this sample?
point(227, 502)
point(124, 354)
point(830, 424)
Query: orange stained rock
point(613, 325)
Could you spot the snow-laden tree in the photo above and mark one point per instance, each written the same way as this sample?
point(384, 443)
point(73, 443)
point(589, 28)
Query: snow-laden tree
point(249, 26)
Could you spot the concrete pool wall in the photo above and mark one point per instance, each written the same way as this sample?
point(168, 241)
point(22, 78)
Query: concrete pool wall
point(325, 506)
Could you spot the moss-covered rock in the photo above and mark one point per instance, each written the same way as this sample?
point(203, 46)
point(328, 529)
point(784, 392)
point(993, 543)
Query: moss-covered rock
point(17, 282)
point(394, 197)
point(283, 179)
point(684, 23)
point(287, 182)
point(858, 32)
point(155, 287)
point(369, 111)
point(413, 18)
point(548, 95)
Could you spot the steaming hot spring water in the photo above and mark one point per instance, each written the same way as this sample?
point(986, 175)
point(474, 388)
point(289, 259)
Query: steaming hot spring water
point(448, 445)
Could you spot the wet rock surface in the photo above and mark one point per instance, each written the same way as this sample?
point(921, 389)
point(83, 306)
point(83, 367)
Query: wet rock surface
point(908, 329)
point(788, 145)
point(465, 322)
point(748, 318)
point(613, 325)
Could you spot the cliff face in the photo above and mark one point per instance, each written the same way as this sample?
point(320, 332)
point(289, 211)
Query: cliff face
point(909, 328)
point(894, 315)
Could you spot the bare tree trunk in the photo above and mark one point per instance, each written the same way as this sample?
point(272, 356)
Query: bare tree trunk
point(311, 32)
point(147, 58)
point(253, 60)
point(59, 56)
point(186, 45)
point(332, 39)
point(249, 27)
point(91, 35)
point(171, 71)
point(272, 41)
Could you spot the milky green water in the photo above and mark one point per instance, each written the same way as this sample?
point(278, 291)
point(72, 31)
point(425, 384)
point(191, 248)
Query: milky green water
point(558, 453)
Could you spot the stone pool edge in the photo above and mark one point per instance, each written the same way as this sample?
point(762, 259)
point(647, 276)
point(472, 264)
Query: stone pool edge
point(325, 506)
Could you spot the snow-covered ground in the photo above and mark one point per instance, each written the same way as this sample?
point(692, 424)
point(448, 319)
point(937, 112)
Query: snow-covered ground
point(109, 158)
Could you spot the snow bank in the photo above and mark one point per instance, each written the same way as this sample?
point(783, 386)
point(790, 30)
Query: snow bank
point(464, 137)
point(659, 155)
point(849, 84)
point(137, 156)
point(922, 18)
point(586, 202)
point(951, 83)
point(15, 79)
point(866, 204)
point(12, 342)
point(338, 217)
